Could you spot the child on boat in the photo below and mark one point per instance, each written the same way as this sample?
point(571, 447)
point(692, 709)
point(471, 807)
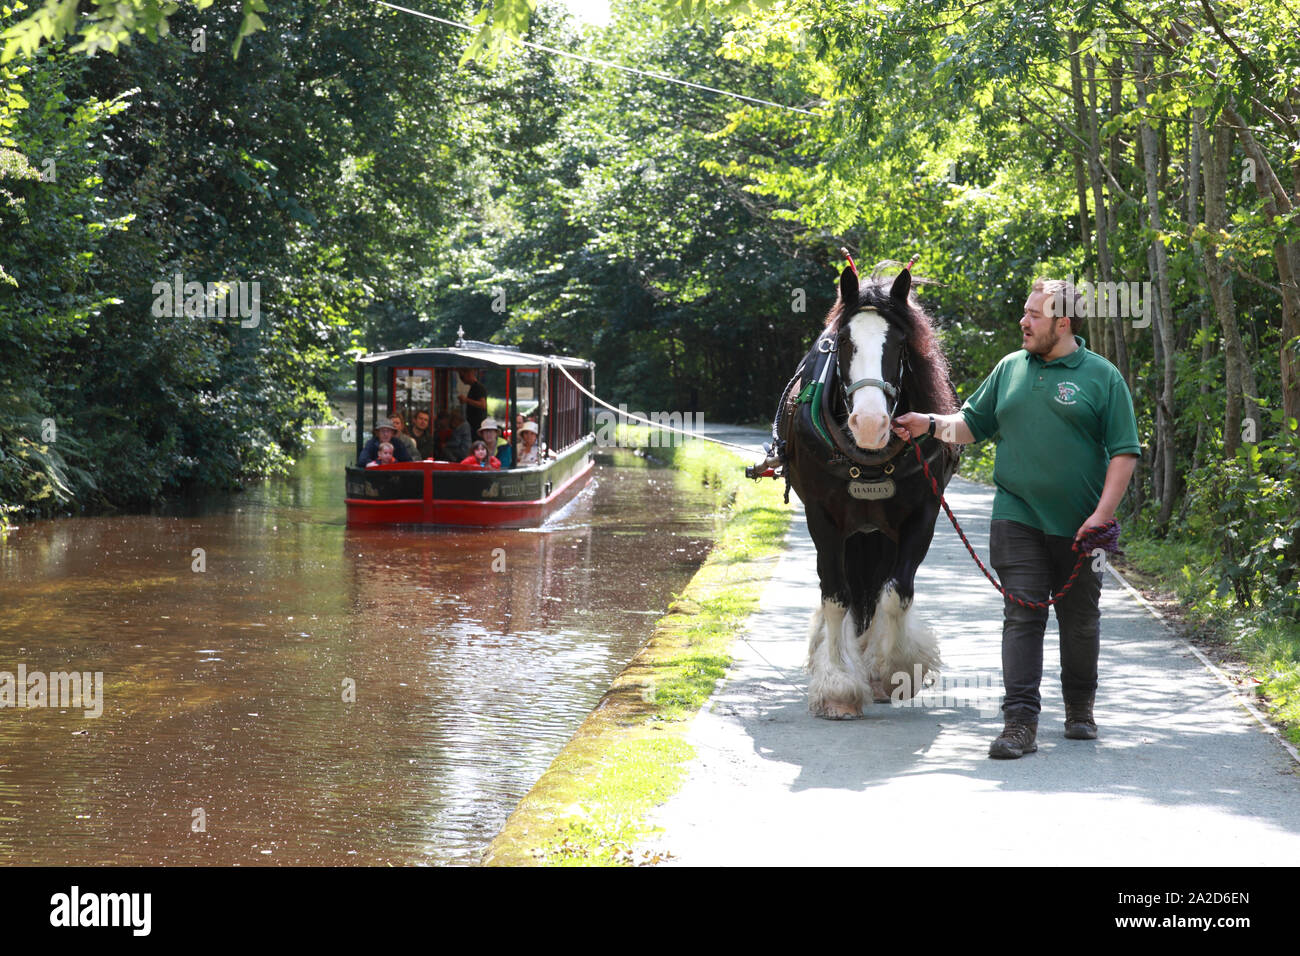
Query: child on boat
point(384, 457)
point(479, 456)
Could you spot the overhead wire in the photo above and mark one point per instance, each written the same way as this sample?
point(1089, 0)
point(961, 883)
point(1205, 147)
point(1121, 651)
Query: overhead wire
point(597, 61)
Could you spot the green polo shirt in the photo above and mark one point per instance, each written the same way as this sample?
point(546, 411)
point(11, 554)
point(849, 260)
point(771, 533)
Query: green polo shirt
point(1057, 425)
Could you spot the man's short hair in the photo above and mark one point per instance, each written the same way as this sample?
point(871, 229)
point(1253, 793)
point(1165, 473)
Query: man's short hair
point(1063, 299)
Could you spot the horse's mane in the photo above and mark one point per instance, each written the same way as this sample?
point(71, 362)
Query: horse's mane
point(929, 386)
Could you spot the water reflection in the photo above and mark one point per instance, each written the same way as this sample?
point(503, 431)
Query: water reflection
point(283, 689)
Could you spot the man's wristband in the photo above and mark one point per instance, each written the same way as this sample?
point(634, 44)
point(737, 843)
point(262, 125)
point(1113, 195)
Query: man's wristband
point(932, 423)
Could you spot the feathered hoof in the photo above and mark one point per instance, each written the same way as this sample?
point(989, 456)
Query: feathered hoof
point(879, 693)
point(901, 649)
point(906, 684)
point(836, 710)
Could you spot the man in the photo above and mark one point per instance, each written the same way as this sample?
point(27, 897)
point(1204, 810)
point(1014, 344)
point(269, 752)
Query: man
point(457, 446)
point(384, 432)
point(1067, 445)
point(426, 438)
point(403, 439)
point(422, 434)
point(475, 400)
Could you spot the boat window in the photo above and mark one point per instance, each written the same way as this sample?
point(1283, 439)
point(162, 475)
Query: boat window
point(413, 392)
point(528, 392)
point(570, 410)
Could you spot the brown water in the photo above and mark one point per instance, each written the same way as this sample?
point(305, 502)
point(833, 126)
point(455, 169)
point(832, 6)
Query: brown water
point(225, 737)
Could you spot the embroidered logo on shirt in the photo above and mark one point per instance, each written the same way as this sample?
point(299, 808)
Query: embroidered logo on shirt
point(1065, 392)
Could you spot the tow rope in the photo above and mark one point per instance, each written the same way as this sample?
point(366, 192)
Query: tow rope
point(636, 418)
point(1103, 536)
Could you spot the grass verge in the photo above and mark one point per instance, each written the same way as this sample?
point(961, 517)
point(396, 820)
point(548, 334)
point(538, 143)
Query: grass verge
point(630, 754)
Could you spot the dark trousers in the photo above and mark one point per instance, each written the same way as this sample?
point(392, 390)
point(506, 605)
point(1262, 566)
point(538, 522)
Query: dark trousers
point(1033, 565)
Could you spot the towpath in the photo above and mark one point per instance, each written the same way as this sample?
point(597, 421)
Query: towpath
point(1182, 774)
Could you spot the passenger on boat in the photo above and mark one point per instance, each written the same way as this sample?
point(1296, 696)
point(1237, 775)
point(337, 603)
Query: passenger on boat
point(457, 446)
point(475, 400)
point(441, 432)
point(404, 439)
point(385, 456)
point(423, 435)
point(529, 450)
point(384, 432)
point(488, 431)
point(479, 456)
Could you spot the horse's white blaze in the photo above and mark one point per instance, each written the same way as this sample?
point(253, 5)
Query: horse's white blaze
point(869, 414)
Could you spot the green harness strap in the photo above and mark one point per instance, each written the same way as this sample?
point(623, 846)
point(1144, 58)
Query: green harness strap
point(812, 392)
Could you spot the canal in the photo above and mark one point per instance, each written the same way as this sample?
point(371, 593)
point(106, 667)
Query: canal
point(281, 689)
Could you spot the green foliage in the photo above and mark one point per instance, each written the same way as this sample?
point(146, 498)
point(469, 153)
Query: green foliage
point(37, 465)
point(164, 162)
point(384, 197)
point(1247, 506)
point(112, 24)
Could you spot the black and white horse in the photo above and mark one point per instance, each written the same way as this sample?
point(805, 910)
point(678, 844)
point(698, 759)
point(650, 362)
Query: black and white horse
point(869, 508)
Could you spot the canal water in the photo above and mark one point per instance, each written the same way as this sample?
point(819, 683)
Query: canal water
point(280, 689)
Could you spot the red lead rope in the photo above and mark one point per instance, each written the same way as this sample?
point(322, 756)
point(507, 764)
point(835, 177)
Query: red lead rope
point(1104, 536)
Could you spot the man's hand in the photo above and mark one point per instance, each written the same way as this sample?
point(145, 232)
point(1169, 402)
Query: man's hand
point(911, 423)
point(1118, 474)
point(950, 428)
point(1094, 520)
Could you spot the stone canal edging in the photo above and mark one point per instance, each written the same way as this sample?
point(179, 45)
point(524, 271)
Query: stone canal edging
point(631, 753)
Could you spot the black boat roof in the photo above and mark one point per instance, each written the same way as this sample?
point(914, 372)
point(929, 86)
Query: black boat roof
point(469, 355)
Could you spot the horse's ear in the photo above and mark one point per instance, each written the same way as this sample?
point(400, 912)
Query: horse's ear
point(902, 286)
point(849, 288)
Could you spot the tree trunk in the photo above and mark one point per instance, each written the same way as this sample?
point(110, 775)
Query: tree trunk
point(1096, 324)
point(1287, 257)
point(1111, 344)
point(1163, 310)
point(1194, 137)
point(1239, 376)
point(1112, 220)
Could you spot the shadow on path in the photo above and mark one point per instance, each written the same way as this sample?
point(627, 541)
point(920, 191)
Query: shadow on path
point(1181, 774)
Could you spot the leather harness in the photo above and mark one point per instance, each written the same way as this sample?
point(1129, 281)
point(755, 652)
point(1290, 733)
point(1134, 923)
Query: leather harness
point(870, 474)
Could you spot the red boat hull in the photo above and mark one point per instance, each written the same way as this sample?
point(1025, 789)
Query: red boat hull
point(469, 497)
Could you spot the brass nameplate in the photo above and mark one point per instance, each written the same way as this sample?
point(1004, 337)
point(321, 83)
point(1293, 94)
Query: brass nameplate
point(872, 490)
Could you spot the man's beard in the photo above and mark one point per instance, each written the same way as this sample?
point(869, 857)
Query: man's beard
point(1035, 349)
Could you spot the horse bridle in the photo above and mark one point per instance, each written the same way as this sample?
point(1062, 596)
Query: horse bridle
point(892, 392)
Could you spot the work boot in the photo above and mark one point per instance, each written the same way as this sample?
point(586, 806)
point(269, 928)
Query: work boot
point(1079, 724)
point(1019, 737)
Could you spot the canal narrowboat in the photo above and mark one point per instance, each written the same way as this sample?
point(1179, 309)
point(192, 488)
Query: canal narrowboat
point(521, 387)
